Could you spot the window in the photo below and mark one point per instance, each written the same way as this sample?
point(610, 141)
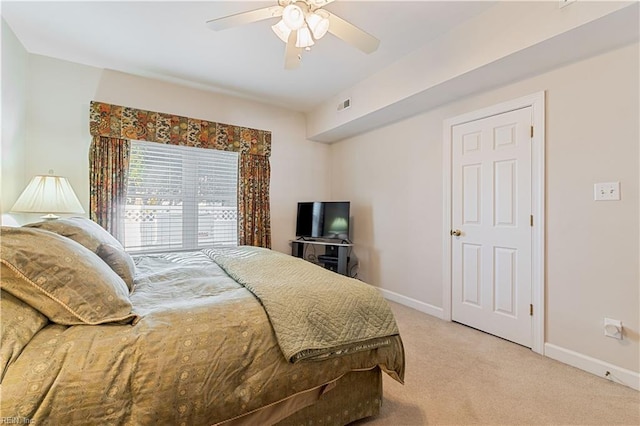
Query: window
point(180, 198)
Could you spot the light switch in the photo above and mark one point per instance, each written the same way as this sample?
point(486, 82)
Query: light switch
point(609, 191)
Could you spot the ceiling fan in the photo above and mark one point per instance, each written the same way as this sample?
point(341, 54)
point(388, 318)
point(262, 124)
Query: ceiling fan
point(302, 23)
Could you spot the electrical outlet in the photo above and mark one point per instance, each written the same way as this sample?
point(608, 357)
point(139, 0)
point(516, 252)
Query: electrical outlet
point(609, 191)
point(613, 328)
point(564, 3)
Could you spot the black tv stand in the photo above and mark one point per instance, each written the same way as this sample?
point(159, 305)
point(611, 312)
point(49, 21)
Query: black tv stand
point(334, 258)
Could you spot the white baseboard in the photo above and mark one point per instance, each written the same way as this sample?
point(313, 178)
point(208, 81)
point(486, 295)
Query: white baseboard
point(575, 359)
point(412, 303)
point(592, 365)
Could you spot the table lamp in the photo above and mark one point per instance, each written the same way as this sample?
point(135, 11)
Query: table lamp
point(48, 194)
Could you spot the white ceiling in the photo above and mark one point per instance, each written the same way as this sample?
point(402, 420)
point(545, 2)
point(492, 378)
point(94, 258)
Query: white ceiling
point(168, 40)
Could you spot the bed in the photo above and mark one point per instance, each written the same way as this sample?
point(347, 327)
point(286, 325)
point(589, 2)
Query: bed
point(245, 335)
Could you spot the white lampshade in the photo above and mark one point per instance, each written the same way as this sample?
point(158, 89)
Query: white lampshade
point(282, 31)
point(318, 24)
point(48, 194)
point(304, 38)
point(293, 17)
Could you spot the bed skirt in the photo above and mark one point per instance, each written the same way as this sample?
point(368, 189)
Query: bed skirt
point(354, 396)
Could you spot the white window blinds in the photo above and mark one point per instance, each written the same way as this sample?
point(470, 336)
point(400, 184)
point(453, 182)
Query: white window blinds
point(180, 198)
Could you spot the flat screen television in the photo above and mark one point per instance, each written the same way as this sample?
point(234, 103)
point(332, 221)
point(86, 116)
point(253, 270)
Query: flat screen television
point(323, 219)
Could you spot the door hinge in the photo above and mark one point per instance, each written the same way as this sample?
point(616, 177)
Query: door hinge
point(531, 220)
point(531, 131)
point(531, 310)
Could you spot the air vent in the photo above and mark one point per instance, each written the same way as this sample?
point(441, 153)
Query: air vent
point(344, 104)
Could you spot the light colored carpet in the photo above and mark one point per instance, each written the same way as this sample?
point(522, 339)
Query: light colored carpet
point(460, 376)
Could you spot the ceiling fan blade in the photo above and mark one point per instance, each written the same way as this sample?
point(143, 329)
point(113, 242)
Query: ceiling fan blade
point(352, 34)
point(319, 3)
point(292, 53)
point(244, 18)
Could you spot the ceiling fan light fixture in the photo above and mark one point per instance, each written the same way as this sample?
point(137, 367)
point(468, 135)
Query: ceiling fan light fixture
point(293, 17)
point(318, 24)
point(302, 24)
point(304, 38)
point(282, 30)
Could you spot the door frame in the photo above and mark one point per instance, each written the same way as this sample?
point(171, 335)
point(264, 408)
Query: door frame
point(537, 103)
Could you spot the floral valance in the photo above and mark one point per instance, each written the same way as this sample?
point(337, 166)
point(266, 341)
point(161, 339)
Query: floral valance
point(129, 123)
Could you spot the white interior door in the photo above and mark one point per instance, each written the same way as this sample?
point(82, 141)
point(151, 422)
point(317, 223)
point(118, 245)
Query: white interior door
point(491, 199)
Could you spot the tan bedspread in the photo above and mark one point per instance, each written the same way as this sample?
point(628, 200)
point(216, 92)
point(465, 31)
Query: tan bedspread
point(203, 352)
point(311, 313)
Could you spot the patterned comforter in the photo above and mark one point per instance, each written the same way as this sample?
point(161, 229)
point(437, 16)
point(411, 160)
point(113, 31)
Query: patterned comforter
point(204, 351)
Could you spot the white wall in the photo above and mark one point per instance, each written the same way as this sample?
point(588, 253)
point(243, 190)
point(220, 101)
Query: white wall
point(14, 117)
point(394, 178)
point(57, 122)
point(57, 135)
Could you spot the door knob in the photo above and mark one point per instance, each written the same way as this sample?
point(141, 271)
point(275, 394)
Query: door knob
point(456, 232)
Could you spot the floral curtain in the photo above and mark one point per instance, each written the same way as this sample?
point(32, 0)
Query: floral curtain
point(129, 123)
point(123, 123)
point(253, 201)
point(108, 168)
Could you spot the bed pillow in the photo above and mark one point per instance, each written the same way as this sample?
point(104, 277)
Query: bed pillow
point(94, 237)
point(120, 261)
point(62, 279)
point(19, 323)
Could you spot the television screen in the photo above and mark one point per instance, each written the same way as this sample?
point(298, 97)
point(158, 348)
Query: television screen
point(323, 219)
